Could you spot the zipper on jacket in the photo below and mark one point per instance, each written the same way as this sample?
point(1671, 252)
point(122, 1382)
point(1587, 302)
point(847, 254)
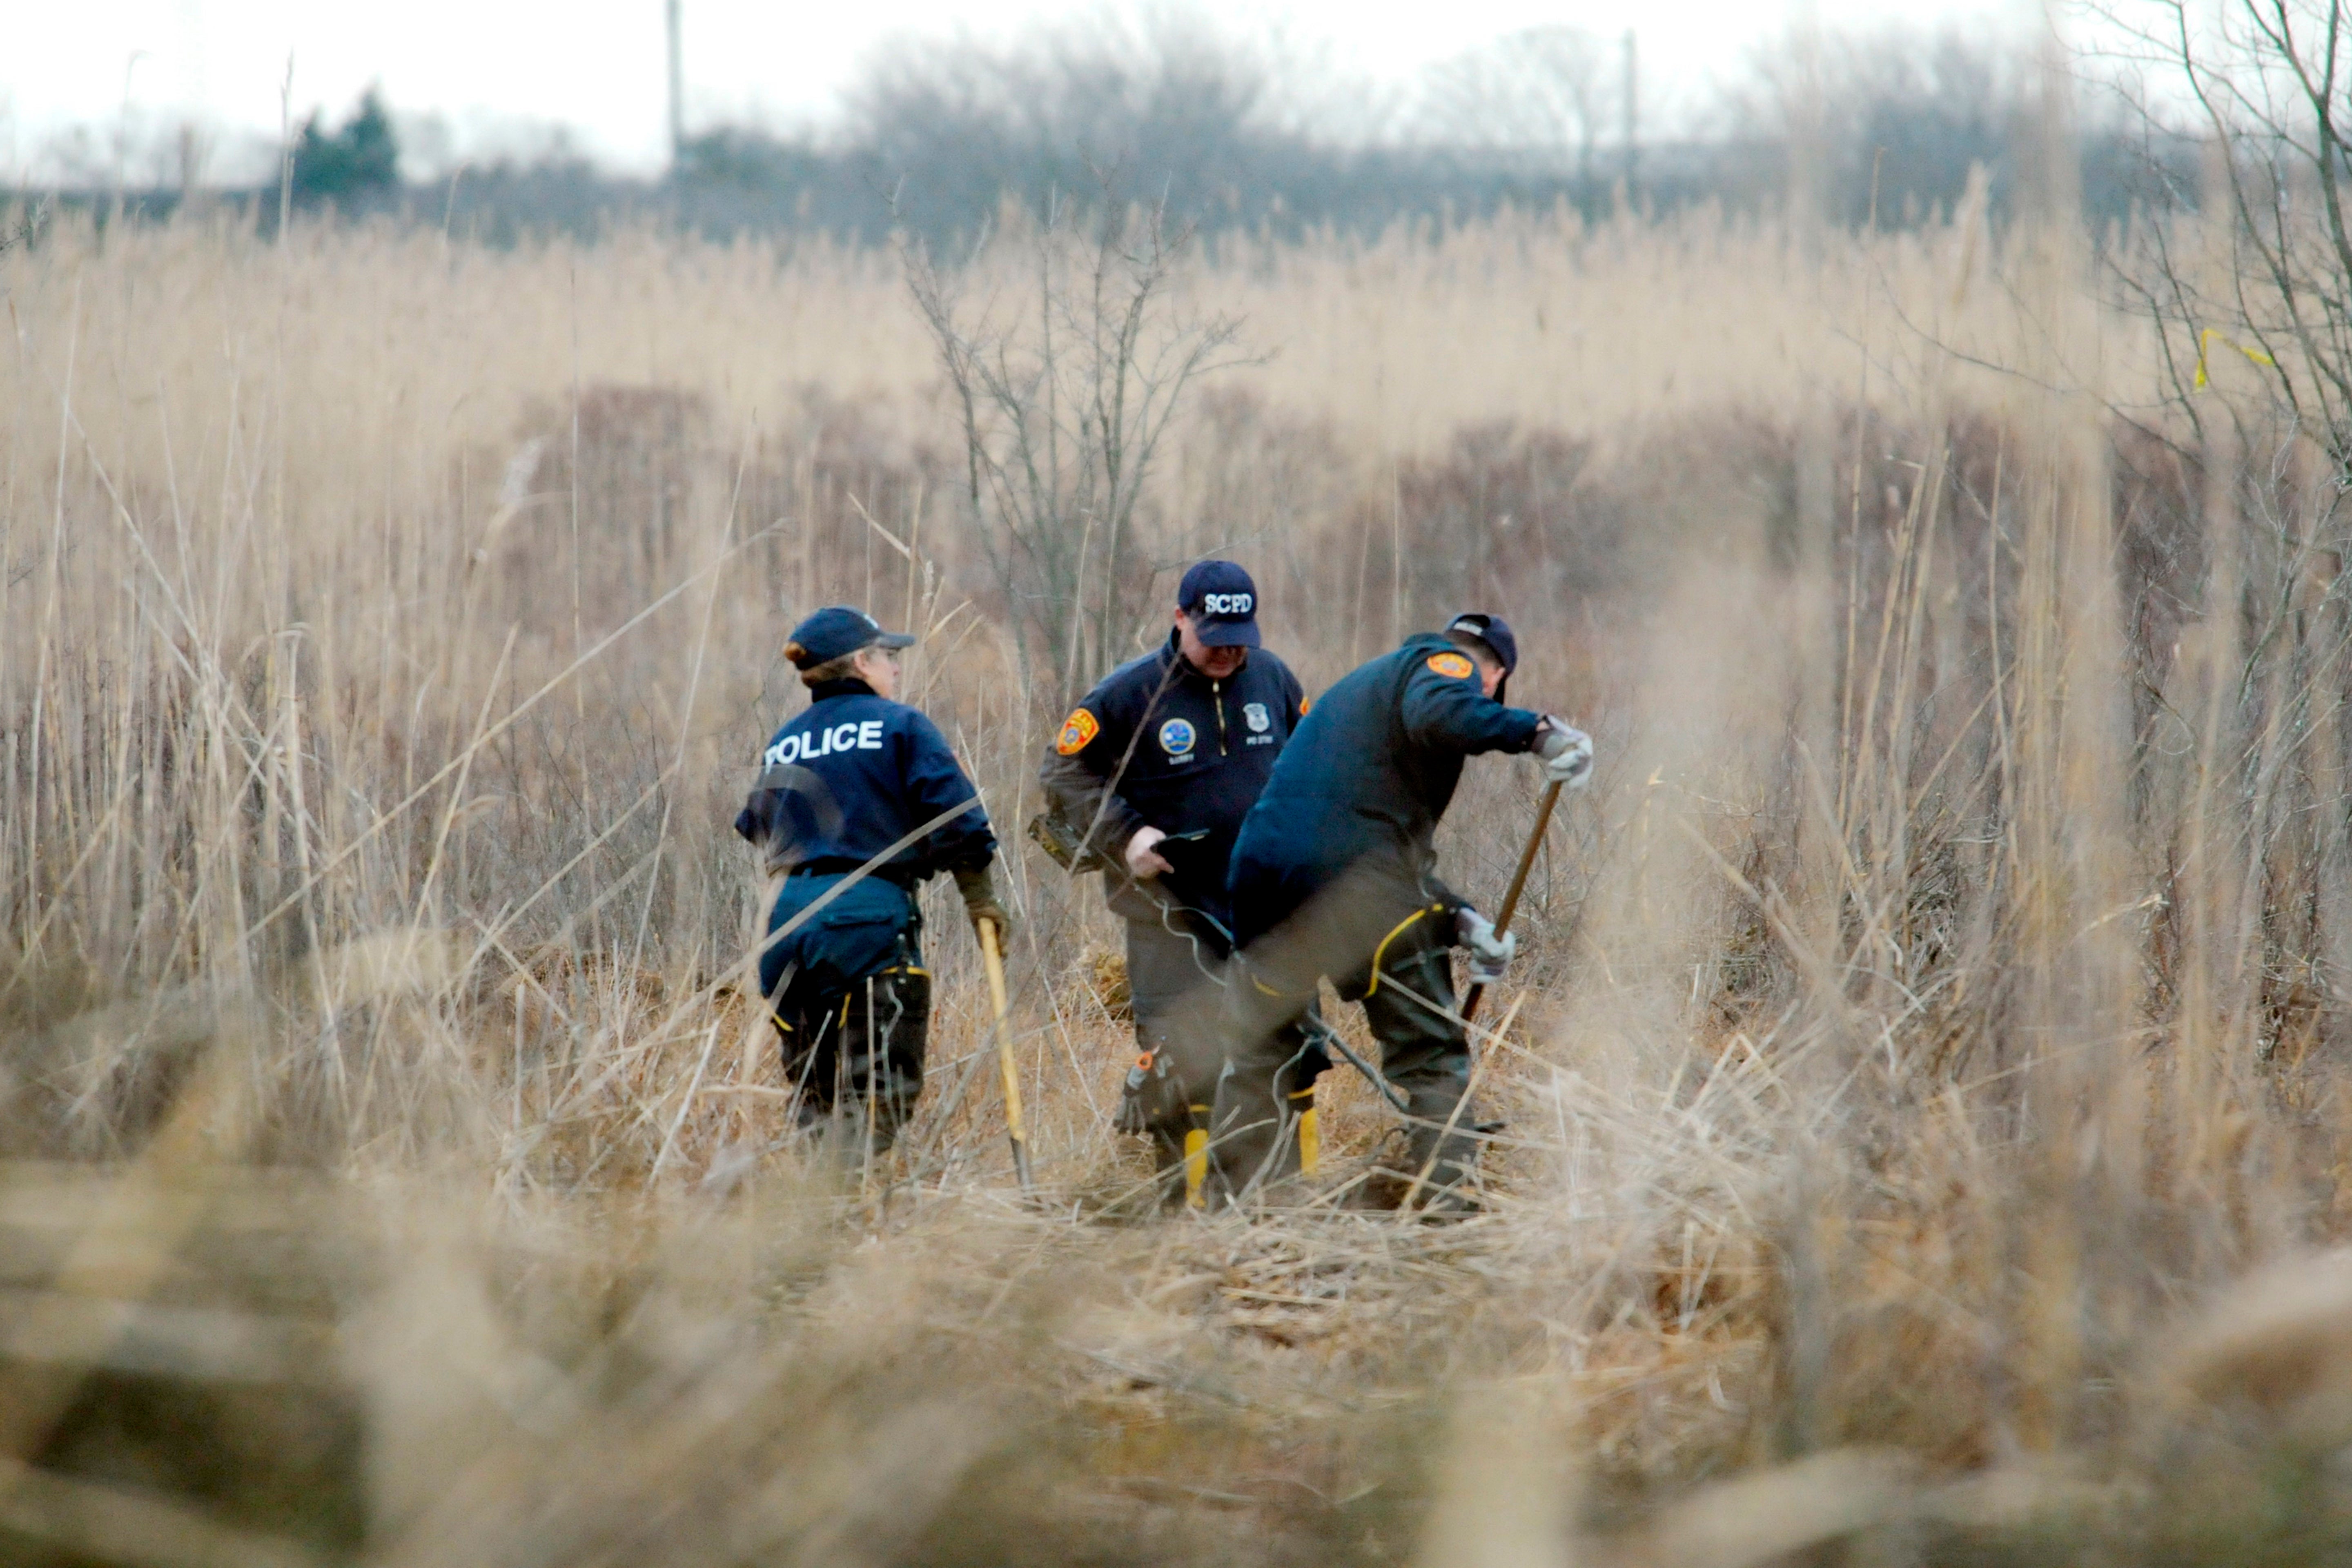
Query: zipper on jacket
point(1217, 700)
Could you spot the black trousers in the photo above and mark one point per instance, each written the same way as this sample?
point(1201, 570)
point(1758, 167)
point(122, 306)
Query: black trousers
point(1387, 946)
point(857, 1056)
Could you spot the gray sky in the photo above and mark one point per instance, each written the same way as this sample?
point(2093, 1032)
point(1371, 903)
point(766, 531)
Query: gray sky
point(496, 70)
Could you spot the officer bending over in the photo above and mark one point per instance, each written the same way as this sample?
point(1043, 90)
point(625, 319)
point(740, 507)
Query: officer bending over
point(859, 778)
point(1335, 874)
point(1152, 773)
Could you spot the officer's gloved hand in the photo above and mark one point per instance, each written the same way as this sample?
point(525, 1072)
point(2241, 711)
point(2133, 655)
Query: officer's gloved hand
point(981, 903)
point(1491, 952)
point(1566, 750)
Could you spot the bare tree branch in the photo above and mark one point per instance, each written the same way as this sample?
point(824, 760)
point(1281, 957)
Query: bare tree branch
point(1064, 403)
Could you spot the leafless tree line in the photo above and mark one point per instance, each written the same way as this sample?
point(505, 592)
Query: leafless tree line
point(1222, 133)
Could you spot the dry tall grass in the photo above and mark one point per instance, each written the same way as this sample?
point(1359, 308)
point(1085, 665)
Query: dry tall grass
point(1934, 1004)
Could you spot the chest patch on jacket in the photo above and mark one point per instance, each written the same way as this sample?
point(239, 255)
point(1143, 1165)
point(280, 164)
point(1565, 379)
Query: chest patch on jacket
point(1078, 729)
point(1259, 719)
point(1177, 738)
point(1453, 666)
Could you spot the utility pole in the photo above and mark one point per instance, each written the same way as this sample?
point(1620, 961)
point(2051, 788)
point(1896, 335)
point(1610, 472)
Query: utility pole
point(677, 86)
point(1633, 116)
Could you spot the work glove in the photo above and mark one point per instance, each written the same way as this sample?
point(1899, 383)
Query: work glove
point(1491, 951)
point(1567, 753)
point(980, 902)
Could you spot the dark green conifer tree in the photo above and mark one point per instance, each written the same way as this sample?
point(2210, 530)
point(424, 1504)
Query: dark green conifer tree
point(360, 160)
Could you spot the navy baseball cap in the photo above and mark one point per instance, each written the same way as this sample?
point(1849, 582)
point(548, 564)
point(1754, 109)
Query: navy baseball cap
point(836, 630)
point(1496, 633)
point(1222, 603)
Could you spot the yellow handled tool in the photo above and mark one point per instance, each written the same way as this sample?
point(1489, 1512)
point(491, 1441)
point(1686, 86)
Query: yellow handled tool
point(1013, 1121)
point(1518, 886)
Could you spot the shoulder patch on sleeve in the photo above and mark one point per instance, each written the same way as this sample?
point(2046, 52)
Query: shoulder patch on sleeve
point(1303, 705)
point(1453, 666)
point(1078, 729)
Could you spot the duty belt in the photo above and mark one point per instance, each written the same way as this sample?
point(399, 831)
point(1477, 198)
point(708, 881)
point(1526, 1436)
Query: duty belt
point(901, 876)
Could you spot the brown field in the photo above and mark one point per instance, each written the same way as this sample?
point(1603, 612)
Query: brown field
point(1923, 1087)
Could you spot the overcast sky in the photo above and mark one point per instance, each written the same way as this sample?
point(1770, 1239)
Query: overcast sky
point(495, 70)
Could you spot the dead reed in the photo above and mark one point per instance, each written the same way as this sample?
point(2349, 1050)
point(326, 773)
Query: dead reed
point(1934, 1006)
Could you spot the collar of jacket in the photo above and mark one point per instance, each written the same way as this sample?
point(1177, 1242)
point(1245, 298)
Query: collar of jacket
point(851, 687)
point(1173, 649)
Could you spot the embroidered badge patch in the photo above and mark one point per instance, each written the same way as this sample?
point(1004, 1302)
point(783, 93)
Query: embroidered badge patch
point(1258, 716)
point(1452, 665)
point(1077, 730)
point(1177, 738)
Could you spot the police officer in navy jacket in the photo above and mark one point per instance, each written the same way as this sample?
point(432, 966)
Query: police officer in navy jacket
point(858, 800)
point(1335, 874)
point(1156, 769)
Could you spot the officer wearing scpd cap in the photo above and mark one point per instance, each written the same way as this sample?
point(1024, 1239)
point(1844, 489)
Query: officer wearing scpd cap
point(1152, 773)
point(858, 800)
point(1335, 874)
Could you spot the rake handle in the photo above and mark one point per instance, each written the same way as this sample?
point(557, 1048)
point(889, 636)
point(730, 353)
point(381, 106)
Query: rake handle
point(1013, 1121)
point(1518, 886)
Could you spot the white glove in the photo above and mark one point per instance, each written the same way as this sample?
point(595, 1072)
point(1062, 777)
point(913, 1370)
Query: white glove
point(1567, 753)
point(1490, 952)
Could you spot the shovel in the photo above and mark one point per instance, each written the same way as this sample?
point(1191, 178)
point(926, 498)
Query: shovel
point(1013, 1121)
point(1518, 886)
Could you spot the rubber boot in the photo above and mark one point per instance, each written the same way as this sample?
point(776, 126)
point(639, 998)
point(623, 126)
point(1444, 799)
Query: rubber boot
point(1263, 1135)
point(1246, 1133)
point(1443, 1164)
point(1310, 1133)
point(1196, 1160)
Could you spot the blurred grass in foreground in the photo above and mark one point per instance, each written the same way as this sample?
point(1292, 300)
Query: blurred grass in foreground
point(1924, 1112)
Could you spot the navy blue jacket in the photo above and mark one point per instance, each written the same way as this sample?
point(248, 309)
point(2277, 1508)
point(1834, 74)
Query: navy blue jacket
point(851, 776)
point(1159, 744)
point(1369, 775)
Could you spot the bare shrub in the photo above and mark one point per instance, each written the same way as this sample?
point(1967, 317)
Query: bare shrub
point(1064, 403)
